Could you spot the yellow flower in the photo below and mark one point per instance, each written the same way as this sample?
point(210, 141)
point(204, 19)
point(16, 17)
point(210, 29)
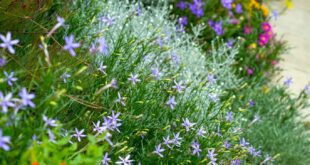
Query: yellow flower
point(265, 10)
point(253, 46)
point(233, 5)
point(288, 4)
point(254, 4)
point(262, 55)
point(265, 89)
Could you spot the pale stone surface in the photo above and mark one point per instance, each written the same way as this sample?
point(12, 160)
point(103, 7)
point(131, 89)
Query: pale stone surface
point(294, 26)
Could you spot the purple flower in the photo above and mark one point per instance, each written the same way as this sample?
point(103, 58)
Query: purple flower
point(251, 103)
point(218, 28)
point(26, 98)
point(201, 132)
point(93, 49)
point(134, 79)
point(182, 5)
point(211, 23)
point(251, 150)
point(211, 155)
point(139, 11)
point(239, 8)
point(229, 116)
point(159, 150)
point(120, 99)
point(235, 162)
point(288, 81)
point(257, 153)
point(4, 141)
point(107, 138)
point(156, 73)
point(114, 121)
point(60, 21)
point(102, 68)
point(178, 86)
point(227, 145)
point(176, 139)
point(175, 58)
point(6, 102)
point(2, 62)
point(268, 158)
point(171, 102)
point(227, 3)
point(105, 160)
point(167, 141)
point(211, 79)
point(107, 20)
point(103, 47)
point(213, 97)
point(124, 161)
point(196, 148)
point(98, 128)
point(187, 124)
point(113, 83)
point(35, 139)
point(65, 76)
point(275, 14)
point(49, 122)
point(79, 134)
point(107, 123)
point(8, 42)
point(159, 41)
point(219, 132)
point(243, 142)
point(307, 89)
point(71, 45)
point(10, 78)
point(51, 136)
point(196, 8)
point(183, 21)
point(230, 43)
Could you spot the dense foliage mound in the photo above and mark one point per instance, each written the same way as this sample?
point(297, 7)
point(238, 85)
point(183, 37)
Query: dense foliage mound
point(108, 82)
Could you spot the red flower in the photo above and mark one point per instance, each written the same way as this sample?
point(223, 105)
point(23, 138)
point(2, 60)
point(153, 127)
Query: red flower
point(35, 163)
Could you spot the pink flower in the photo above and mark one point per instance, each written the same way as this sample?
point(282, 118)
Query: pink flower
point(247, 30)
point(269, 34)
point(263, 39)
point(266, 26)
point(274, 62)
point(250, 71)
point(234, 21)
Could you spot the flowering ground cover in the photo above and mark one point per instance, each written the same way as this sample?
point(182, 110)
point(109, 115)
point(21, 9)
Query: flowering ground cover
point(231, 20)
point(108, 82)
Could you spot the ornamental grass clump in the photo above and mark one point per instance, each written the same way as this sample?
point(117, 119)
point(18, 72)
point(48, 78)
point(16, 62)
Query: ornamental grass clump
point(114, 82)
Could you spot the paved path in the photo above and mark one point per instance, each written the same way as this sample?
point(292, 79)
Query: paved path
point(294, 26)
